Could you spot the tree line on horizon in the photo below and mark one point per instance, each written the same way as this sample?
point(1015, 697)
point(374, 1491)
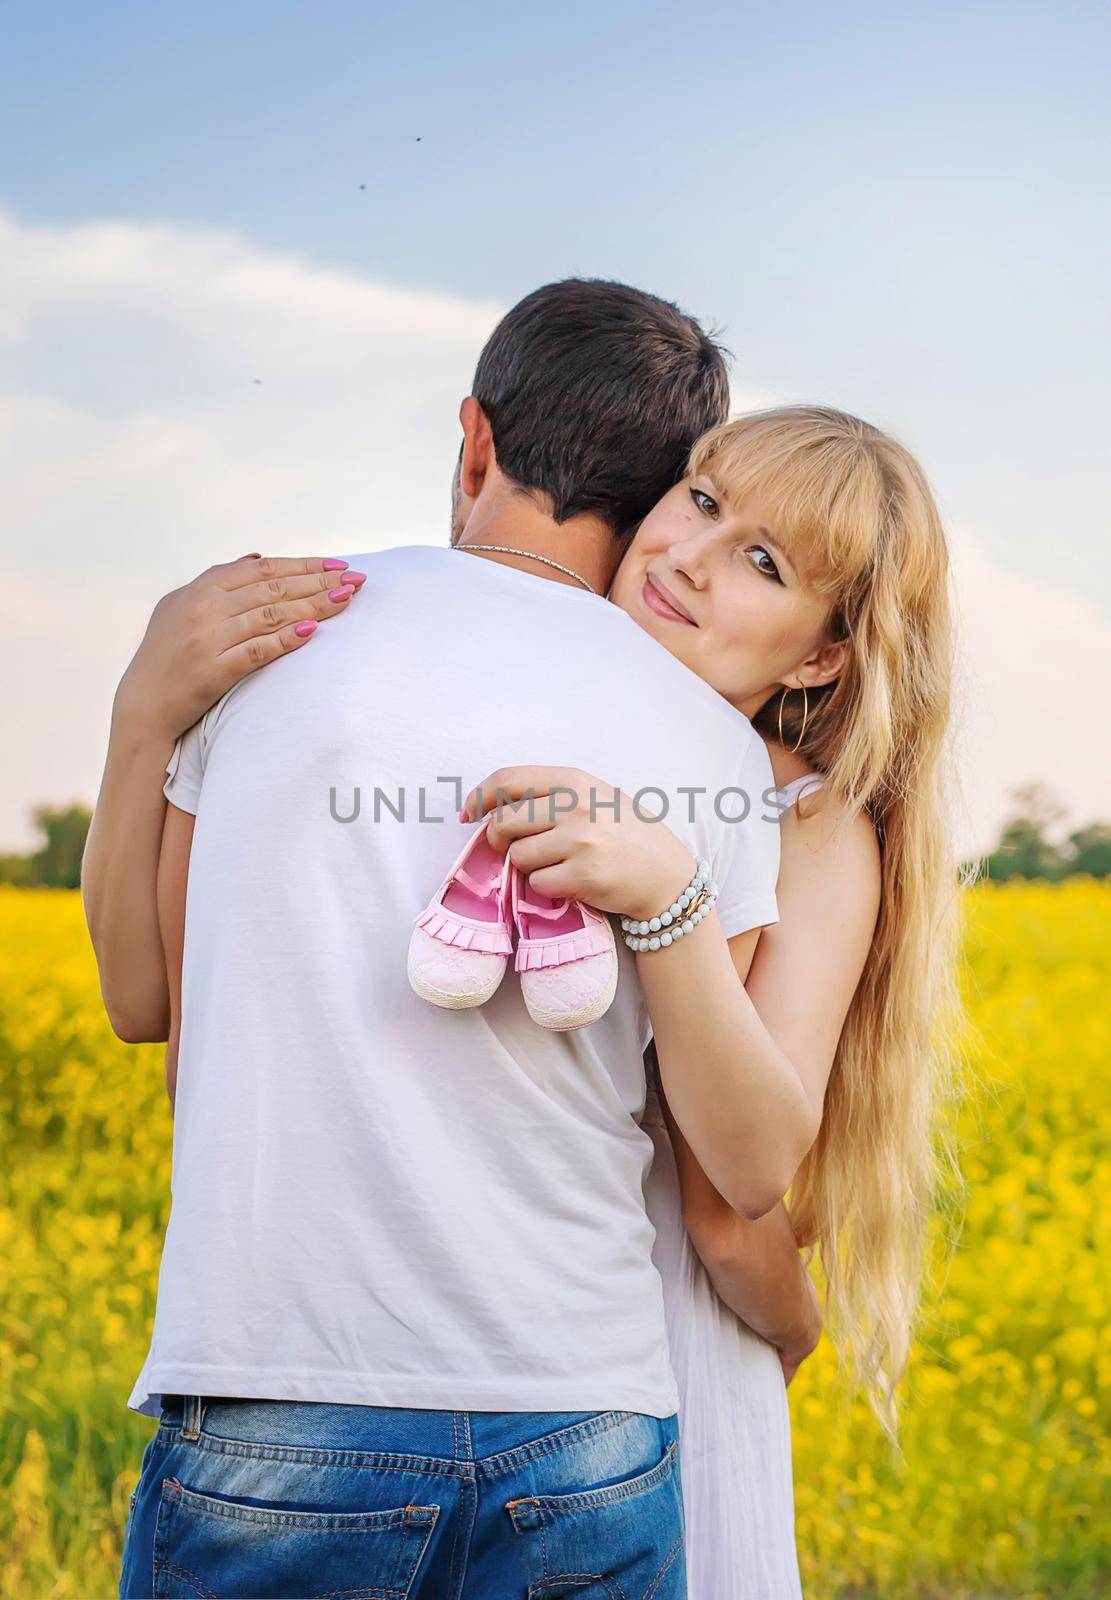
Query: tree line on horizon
point(1029, 846)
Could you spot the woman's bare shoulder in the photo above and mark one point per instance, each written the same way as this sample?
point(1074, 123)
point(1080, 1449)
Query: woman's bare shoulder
point(821, 839)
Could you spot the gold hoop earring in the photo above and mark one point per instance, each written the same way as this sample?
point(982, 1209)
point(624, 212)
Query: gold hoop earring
point(805, 714)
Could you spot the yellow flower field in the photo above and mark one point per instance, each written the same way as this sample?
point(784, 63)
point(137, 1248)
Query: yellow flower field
point(1004, 1467)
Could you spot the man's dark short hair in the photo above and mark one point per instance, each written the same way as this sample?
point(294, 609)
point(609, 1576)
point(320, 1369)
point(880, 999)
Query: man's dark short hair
point(595, 394)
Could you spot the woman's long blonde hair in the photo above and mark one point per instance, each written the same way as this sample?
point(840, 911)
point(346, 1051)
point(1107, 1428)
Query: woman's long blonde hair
point(855, 507)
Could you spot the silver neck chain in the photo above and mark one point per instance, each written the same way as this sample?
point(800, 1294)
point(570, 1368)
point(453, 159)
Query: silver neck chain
point(509, 550)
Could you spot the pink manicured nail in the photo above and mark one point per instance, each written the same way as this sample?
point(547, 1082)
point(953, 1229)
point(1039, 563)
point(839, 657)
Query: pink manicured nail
point(462, 816)
point(354, 577)
point(252, 555)
point(332, 565)
point(342, 592)
point(303, 629)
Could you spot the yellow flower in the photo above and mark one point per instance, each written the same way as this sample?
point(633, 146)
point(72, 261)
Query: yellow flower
point(1004, 1466)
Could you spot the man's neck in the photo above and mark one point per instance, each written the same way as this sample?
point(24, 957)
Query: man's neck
point(584, 544)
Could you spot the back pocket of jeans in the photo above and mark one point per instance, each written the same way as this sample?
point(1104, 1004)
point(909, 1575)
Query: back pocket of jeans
point(611, 1542)
point(209, 1548)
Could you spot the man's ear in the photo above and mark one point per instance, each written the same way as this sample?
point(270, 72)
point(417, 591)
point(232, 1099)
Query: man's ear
point(825, 664)
point(478, 447)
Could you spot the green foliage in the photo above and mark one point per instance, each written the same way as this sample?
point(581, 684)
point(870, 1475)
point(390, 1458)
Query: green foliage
point(1026, 850)
point(17, 871)
point(1090, 850)
point(57, 862)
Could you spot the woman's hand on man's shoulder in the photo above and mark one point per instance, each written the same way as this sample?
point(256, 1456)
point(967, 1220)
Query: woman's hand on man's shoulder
point(227, 622)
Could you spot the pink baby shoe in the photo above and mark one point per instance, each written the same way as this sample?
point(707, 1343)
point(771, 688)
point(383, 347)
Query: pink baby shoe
point(460, 946)
point(566, 958)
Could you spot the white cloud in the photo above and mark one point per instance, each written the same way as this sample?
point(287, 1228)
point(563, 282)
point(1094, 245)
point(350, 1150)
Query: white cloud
point(1033, 660)
point(167, 390)
point(136, 448)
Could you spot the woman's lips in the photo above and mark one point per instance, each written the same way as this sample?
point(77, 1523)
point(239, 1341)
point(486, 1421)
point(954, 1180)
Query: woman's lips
point(657, 599)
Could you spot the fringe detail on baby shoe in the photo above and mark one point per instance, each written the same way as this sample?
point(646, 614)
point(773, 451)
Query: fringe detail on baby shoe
point(593, 940)
point(490, 940)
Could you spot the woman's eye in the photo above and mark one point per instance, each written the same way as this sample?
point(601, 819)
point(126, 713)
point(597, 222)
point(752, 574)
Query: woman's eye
point(705, 503)
point(770, 570)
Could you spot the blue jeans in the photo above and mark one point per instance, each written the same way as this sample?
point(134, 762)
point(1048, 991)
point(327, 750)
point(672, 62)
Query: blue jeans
point(296, 1498)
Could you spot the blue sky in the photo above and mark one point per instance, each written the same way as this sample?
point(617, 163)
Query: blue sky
point(899, 209)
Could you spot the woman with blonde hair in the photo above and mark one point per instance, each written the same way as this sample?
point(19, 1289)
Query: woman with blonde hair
point(801, 569)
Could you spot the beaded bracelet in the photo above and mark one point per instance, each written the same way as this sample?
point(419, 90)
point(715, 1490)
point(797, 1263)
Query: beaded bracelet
point(681, 917)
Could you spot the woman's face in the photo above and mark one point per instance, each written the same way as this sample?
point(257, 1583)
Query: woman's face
point(710, 582)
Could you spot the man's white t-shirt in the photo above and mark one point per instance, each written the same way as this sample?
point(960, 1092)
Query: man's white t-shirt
point(374, 1200)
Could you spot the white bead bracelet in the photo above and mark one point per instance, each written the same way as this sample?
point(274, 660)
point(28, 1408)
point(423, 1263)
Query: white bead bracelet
point(680, 918)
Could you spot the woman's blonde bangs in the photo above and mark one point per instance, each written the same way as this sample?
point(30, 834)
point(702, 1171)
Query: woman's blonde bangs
point(816, 481)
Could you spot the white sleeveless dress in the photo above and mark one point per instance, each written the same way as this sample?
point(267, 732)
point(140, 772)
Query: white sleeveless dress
point(734, 1427)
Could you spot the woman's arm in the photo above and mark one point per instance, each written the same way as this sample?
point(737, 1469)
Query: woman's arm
point(200, 641)
point(774, 1028)
point(741, 1102)
point(118, 872)
point(755, 1267)
point(748, 1096)
point(173, 878)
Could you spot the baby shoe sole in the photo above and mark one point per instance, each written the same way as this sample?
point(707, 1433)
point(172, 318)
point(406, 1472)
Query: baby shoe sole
point(557, 1022)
